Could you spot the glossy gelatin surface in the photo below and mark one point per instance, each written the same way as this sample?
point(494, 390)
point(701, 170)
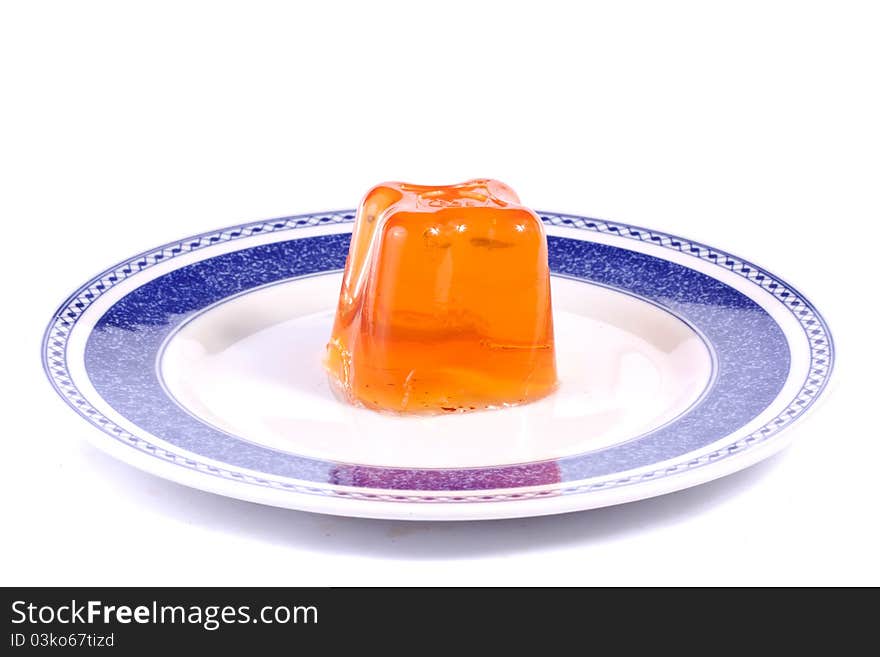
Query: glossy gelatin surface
point(445, 301)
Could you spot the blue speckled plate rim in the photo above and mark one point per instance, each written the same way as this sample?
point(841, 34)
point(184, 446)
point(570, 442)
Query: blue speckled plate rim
point(753, 358)
point(815, 328)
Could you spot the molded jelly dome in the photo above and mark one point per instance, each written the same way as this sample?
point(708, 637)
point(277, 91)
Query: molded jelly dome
point(445, 301)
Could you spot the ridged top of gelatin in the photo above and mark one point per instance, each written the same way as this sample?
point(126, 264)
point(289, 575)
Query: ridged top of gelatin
point(480, 192)
point(400, 196)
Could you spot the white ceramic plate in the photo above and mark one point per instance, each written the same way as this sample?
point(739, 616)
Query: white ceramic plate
point(201, 362)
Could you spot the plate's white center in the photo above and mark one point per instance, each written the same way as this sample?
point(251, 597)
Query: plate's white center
point(251, 366)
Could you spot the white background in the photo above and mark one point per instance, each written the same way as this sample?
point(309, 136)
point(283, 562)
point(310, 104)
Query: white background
point(752, 127)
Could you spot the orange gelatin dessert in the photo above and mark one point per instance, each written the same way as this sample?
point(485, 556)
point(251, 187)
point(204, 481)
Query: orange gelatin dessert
point(445, 301)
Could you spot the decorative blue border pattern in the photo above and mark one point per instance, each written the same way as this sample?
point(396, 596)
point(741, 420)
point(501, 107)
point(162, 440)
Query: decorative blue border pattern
point(55, 344)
